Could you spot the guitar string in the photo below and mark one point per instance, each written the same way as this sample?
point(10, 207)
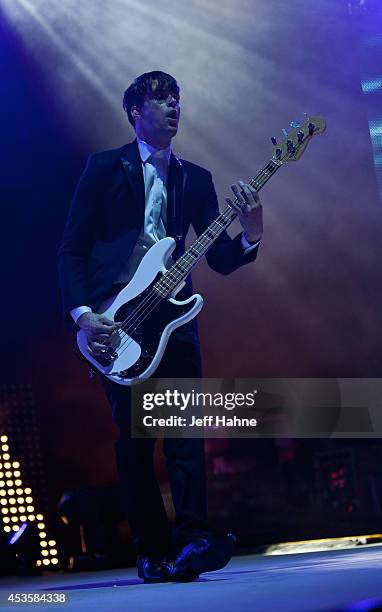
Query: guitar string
point(151, 299)
point(273, 165)
point(257, 179)
point(186, 256)
point(188, 259)
point(154, 299)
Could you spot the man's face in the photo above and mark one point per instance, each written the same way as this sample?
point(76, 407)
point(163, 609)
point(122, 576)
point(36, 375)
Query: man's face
point(158, 118)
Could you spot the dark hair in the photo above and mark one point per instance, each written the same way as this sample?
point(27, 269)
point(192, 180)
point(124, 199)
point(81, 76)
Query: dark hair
point(155, 83)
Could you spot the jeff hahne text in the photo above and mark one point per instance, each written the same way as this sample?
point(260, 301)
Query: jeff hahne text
point(185, 402)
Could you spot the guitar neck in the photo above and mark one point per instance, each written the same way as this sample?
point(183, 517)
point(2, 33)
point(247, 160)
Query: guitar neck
point(183, 266)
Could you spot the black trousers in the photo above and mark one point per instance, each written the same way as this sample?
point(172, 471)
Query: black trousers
point(185, 461)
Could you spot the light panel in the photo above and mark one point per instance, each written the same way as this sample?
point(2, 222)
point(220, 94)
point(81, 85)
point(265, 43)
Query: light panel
point(13, 511)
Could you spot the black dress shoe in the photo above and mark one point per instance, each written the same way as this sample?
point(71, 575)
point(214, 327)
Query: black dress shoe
point(204, 554)
point(152, 569)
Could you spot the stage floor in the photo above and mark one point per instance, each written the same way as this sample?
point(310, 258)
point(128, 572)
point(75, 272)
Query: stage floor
point(308, 582)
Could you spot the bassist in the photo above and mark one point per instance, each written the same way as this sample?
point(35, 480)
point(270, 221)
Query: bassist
point(127, 199)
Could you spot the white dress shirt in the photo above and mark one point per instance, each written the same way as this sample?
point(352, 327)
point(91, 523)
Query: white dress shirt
point(155, 169)
point(155, 164)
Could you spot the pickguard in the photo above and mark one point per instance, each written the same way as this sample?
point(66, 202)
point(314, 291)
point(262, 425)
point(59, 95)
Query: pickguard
point(148, 323)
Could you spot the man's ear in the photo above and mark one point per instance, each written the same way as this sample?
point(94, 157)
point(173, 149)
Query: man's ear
point(135, 112)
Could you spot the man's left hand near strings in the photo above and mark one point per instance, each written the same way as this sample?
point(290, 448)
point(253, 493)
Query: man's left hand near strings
point(249, 210)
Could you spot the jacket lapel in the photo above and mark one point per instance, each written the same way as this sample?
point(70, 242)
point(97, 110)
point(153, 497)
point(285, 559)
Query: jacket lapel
point(175, 188)
point(132, 166)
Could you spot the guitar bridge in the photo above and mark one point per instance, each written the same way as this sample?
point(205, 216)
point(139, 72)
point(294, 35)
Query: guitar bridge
point(105, 357)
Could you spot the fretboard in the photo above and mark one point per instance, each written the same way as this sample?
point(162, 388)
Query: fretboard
point(183, 266)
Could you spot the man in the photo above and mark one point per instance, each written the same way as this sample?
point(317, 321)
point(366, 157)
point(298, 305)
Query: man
point(126, 200)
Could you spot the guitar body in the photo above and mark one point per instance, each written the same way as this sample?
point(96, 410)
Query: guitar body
point(139, 346)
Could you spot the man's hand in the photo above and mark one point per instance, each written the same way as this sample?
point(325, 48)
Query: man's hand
point(249, 210)
point(100, 331)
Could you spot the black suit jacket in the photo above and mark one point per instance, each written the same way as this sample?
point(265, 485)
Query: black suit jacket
point(107, 214)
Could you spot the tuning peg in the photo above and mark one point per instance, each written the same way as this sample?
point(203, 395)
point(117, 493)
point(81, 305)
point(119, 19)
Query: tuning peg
point(285, 132)
point(295, 124)
point(274, 141)
point(311, 128)
point(290, 146)
point(300, 136)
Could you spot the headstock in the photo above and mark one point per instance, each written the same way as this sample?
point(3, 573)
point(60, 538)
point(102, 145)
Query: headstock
point(296, 141)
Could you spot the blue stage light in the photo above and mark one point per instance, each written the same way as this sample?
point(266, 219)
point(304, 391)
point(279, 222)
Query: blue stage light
point(18, 534)
point(372, 85)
